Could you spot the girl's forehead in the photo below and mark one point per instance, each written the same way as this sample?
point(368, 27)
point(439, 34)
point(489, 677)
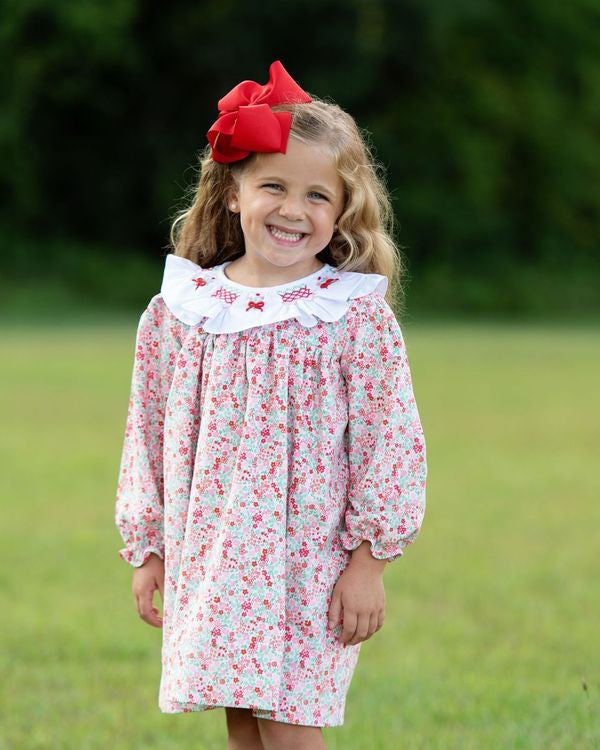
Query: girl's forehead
point(301, 161)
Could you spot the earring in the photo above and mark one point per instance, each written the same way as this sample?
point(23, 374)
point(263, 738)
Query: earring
point(233, 206)
point(335, 226)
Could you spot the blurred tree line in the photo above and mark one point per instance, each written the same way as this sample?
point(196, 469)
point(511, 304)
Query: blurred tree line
point(485, 114)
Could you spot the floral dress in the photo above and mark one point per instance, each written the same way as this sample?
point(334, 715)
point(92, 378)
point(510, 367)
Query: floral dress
point(270, 431)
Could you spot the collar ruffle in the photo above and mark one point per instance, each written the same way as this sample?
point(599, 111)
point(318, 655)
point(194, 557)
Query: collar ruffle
point(195, 294)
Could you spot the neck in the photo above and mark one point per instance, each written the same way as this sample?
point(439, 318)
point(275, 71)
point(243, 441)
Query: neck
point(244, 270)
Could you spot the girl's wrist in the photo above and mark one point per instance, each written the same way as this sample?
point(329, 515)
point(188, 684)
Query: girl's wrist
point(362, 554)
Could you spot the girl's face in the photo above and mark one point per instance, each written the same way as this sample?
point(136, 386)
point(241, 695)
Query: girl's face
point(288, 205)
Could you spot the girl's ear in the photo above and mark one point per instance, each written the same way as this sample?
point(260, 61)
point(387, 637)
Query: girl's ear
point(232, 199)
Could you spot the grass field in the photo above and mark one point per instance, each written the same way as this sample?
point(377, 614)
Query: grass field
point(492, 627)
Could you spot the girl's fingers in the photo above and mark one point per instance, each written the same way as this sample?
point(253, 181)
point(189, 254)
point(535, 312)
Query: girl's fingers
point(350, 620)
point(366, 625)
point(146, 610)
point(362, 629)
point(335, 610)
point(373, 623)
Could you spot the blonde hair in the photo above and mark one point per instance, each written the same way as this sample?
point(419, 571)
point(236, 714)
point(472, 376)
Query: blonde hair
point(208, 233)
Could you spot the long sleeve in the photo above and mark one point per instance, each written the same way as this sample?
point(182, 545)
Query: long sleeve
point(139, 502)
point(385, 440)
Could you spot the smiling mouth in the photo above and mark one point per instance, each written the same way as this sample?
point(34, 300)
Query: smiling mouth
point(285, 236)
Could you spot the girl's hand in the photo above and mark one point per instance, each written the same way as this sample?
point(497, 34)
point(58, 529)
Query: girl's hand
point(358, 601)
point(146, 579)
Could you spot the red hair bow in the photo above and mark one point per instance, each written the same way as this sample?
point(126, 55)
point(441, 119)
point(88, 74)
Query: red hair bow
point(246, 121)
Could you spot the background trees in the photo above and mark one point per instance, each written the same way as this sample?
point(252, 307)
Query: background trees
point(485, 115)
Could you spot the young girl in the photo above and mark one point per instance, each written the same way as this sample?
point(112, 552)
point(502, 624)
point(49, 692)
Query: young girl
point(273, 459)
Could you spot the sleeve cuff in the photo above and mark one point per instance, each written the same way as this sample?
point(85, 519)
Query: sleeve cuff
point(380, 550)
point(137, 557)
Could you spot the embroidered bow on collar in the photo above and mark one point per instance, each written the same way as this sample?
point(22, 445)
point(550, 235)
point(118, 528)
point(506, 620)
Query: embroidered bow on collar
point(246, 121)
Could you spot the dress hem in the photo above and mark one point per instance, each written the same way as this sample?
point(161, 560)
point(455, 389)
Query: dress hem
point(184, 707)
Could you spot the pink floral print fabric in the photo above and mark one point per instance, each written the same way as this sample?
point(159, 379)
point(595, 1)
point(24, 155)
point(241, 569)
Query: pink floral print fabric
point(253, 463)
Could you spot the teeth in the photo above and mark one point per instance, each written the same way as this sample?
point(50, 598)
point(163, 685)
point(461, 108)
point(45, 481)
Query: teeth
point(285, 235)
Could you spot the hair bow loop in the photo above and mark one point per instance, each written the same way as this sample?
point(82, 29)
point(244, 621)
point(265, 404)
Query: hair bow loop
point(246, 121)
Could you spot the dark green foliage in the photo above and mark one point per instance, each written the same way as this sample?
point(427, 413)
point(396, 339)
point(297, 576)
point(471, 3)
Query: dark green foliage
point(485, 114)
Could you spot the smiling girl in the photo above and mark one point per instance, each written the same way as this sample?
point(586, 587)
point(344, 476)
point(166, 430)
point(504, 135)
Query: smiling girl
point(274, 459)
point(288, 206)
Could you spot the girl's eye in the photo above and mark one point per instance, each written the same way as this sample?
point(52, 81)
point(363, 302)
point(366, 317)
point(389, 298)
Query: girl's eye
point(276, 186)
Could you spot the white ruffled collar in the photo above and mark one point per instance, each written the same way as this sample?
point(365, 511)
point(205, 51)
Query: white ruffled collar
point(195, 294)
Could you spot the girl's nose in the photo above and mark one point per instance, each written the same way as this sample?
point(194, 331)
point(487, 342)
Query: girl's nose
point(291, 209)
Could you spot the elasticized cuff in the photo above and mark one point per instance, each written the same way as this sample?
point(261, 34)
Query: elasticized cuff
point(380, 550)
point(137, 557)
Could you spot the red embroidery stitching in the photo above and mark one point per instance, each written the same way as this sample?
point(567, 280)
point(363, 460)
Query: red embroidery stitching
point(199, 282)
point(225, 295)
point(295, 294)
point(255, 305)
point(327, 282)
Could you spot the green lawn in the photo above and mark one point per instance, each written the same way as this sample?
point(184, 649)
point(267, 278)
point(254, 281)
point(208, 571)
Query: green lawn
point(491, 636)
